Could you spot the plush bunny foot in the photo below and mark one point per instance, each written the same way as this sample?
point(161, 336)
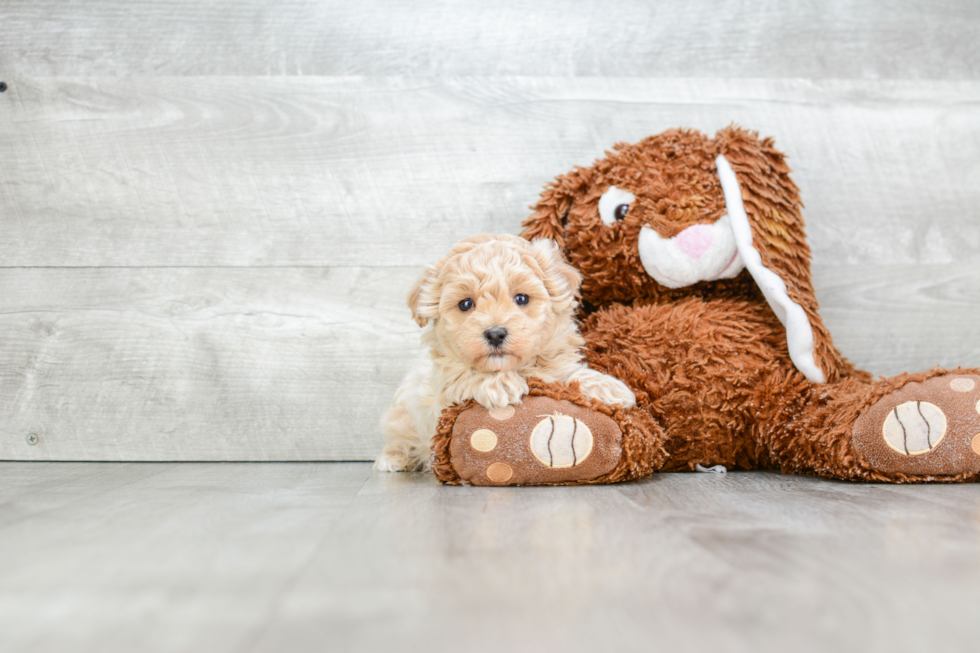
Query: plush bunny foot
point(925, 429)
point(558, 439)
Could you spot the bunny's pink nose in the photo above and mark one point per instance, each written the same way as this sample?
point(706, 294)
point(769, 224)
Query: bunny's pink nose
point(695, 240)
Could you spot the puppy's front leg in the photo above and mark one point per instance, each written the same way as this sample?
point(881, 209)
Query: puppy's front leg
point(607, 389)
point(409, 424)
point(405, 449)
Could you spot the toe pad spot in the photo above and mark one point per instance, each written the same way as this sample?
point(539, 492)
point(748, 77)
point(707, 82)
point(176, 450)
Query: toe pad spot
point(500, 414)
point(499, 472)
point(483, 440)
point(962, 385)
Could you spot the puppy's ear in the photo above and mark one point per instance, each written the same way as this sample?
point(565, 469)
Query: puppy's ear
point(423, 298)
point(550, 215)
point(560, 279)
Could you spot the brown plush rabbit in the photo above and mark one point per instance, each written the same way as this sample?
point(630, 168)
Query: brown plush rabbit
point(697, 294)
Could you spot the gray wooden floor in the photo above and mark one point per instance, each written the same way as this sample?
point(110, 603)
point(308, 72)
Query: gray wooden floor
point(333, 557)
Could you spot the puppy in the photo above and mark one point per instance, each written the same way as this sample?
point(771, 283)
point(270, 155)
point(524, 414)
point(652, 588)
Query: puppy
point(495, 311)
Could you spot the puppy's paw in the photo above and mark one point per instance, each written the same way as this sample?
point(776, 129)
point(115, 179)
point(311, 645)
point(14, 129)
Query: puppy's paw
point(393, 460)
point(616, 393)
point(607, 389)
point(622, 395)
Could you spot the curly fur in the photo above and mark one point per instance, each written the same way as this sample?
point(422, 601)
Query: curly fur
point(459, 363)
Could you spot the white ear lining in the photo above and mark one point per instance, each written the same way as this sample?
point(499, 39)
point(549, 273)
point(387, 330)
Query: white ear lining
point(799, 331)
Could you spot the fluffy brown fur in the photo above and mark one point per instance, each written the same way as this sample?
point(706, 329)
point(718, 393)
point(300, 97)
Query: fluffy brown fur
point(710, 361)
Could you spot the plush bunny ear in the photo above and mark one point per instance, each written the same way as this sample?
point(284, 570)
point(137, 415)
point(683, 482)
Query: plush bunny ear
point(764, 205)
point(551, 211)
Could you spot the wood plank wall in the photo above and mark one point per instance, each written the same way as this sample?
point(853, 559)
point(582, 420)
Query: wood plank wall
point(212, 210)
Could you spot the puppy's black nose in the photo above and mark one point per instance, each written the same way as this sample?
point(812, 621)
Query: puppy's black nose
point(495, 336)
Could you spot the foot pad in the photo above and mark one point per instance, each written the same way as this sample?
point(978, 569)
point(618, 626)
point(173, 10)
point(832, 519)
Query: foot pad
point(914, 428)
point(560, 441)
point(540, 441)
point(928, 428)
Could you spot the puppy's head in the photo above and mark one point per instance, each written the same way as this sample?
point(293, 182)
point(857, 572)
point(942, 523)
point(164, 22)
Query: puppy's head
point(494, 301)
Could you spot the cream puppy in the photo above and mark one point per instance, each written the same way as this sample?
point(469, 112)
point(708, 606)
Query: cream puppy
point(494, 311)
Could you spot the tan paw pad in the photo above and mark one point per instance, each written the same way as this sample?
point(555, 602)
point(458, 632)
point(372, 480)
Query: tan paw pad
point(499, 472)
point(560, 441)
point(914, 427)
point(962, 385)
point(975, 445)
point(483, 440)
point(501, 414)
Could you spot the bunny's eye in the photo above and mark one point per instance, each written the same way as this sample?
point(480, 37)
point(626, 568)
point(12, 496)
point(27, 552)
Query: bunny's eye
point(615, 204)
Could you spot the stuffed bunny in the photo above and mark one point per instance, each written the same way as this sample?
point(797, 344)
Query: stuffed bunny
point(697, 294)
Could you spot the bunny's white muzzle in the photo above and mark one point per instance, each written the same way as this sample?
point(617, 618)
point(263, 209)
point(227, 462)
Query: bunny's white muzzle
point(702, 252)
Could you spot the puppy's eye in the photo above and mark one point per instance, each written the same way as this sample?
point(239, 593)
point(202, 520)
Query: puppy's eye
point(465, 305)
point(521, 299)
point(615, 204)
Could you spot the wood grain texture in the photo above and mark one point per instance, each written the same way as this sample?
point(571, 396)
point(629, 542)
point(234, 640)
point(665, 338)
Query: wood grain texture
point(211, 546)
point(301, 557)
point(893, 319)
point(299, 363)
point(910, 39)
point(201, 364)
point(327, 171)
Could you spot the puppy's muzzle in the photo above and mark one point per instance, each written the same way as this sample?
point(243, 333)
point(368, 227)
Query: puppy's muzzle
point(495, 336)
